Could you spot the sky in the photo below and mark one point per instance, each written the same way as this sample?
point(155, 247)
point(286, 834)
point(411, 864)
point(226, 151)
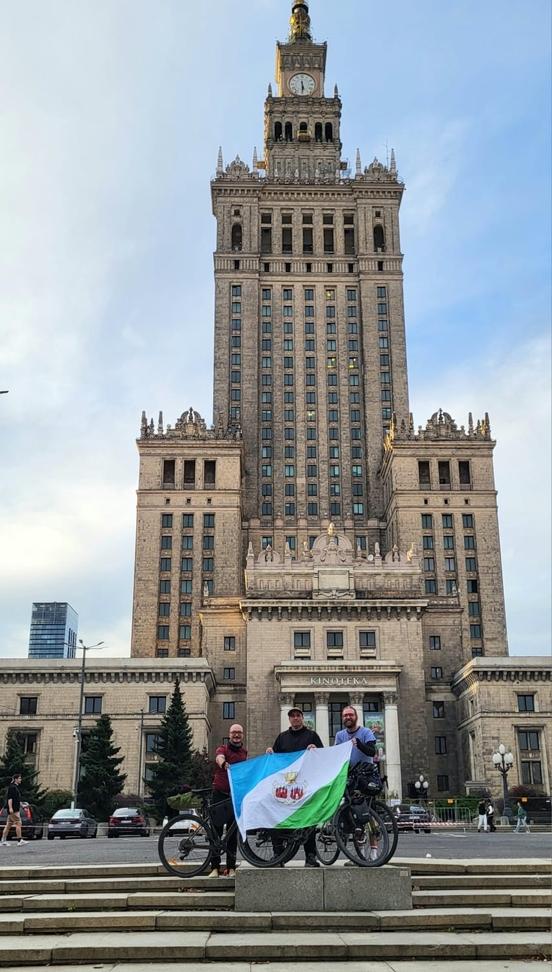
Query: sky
point(111, 119)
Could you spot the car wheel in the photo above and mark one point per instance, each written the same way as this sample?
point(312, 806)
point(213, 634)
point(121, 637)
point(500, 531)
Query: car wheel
point(428, 831)
point(416, 831)
point(50, 836)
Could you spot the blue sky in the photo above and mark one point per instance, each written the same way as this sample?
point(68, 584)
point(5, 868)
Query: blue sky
point(112, 116)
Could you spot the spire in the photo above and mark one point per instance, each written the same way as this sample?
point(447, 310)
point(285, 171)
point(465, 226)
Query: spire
point(300, 24)
point(270, 90)
point(160, 424)
point(220, 163)
point(393, 165)
point(255, 158)
point(358, 163)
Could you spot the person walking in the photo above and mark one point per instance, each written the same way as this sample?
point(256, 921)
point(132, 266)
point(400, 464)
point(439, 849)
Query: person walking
point(13, 806)
point(293, 740)
point(225, 756)
point(521, 819)
point(490, 816)
point(482, 822)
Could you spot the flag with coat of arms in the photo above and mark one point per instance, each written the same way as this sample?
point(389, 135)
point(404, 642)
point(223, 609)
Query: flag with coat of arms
point(289, 791)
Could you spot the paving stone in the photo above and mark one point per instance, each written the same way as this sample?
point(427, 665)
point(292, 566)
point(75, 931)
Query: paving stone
point(217, 920)
point(143, 946)
point(218, 899)
point(10, 902)
point(55, 902)
point(280, 889)
point(11, 924)
point(426, 945)
point(320, 921)
point(93, 921)
point(294, 945)
point(512, 944)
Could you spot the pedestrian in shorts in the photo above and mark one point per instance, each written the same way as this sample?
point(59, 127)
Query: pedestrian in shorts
point(13, 806)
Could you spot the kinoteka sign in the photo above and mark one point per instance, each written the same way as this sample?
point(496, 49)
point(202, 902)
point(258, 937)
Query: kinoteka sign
point(337, 680)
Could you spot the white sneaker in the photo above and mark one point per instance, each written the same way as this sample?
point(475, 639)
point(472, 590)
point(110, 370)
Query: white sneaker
point(214, 873)
point(21, 842)
point(374, 853)
point(4, 843)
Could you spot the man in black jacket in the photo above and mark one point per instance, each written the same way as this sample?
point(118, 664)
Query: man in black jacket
point(294, 740)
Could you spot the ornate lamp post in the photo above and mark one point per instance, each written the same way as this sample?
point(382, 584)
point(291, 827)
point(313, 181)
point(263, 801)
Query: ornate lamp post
point(503, 762)
point(78, 730)
point(422, 786)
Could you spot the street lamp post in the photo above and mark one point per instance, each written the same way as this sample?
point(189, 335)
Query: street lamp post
point(422, 786)
point(503, 762)
point(84, 648)
point(140, 751)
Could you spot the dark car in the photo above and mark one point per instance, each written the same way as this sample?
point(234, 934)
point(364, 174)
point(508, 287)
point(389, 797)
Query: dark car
point(128, 820)
point(72, 823)
point(31, 825)
point(412, 818)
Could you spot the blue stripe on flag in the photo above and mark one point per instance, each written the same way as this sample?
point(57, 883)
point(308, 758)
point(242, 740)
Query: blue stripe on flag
point(245, 776)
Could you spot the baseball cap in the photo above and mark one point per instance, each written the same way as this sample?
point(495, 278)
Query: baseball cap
point(295, 709)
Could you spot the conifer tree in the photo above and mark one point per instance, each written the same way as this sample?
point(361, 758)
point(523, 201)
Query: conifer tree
point(14, 761)
point(100, 780)
point(174, 749)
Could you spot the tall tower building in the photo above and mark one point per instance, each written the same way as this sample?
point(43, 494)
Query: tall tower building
point(314, 546)
point(310, 355)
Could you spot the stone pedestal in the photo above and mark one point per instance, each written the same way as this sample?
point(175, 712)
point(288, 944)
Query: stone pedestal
point(336, 888)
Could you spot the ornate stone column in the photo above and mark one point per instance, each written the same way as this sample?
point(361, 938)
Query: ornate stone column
point(356, 699)
point(392, 744)
point(286, 702)
point(321, 700)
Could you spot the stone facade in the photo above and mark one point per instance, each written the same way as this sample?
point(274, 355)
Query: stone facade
point(508, 701)
point(188, 531)
point(40, 701)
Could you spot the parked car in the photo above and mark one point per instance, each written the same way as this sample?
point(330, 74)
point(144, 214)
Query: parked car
point(31, 825)
point(412, 818)
point(72, 823)
point(128, 820)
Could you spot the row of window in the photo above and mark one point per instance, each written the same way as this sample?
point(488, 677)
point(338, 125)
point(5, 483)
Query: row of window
point(428, 541)
point(334, 639)
point(165, 565)
point(187, 521)
point(447, 519)
point(187, 541)
point(444, 473)
point(190, 473)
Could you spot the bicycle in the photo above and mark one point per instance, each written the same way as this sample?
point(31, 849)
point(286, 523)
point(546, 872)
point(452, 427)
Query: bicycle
point(357, 826)
point(189, 841)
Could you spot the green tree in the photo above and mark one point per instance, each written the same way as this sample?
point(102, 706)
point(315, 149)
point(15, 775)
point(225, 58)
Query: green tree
point(14, 761)
point(100, 780)
point(174, 749)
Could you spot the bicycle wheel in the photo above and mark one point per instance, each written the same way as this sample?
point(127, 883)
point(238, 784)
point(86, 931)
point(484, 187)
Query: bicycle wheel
point(327, 848)
point(185, 845)
point(391, 825)
point(366, 843)
point(268, 848)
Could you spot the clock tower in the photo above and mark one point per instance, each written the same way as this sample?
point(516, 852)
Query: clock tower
point(301, 125)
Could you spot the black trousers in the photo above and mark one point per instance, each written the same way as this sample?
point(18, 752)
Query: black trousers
point(232, 843)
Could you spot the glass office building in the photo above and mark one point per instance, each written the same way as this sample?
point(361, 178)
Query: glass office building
point(54, 627)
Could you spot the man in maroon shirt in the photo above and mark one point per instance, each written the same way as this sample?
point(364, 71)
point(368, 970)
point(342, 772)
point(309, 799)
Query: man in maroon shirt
point(232, 752)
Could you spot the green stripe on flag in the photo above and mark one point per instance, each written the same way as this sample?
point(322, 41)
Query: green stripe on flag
point(321, 806)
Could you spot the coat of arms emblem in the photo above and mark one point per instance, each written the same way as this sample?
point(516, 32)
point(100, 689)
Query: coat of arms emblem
point(290, 788)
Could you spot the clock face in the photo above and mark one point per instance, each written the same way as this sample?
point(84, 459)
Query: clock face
point(302, 84)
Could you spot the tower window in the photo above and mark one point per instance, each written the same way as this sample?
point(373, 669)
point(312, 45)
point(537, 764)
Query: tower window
point(308, 240)
point(278, 131)
point(328, 132)
point(169, 466)
point(237, 237)
point(318, 132)
point(287, 239)
point(288, 132)
point(266, 239)
point(209, 472)
point(379, 239)
point(423, 472)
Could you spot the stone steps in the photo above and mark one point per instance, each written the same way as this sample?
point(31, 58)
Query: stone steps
point(223, 949)
point(431, 882)
point(497, 919)
point(504, 897)
point(398, 965)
